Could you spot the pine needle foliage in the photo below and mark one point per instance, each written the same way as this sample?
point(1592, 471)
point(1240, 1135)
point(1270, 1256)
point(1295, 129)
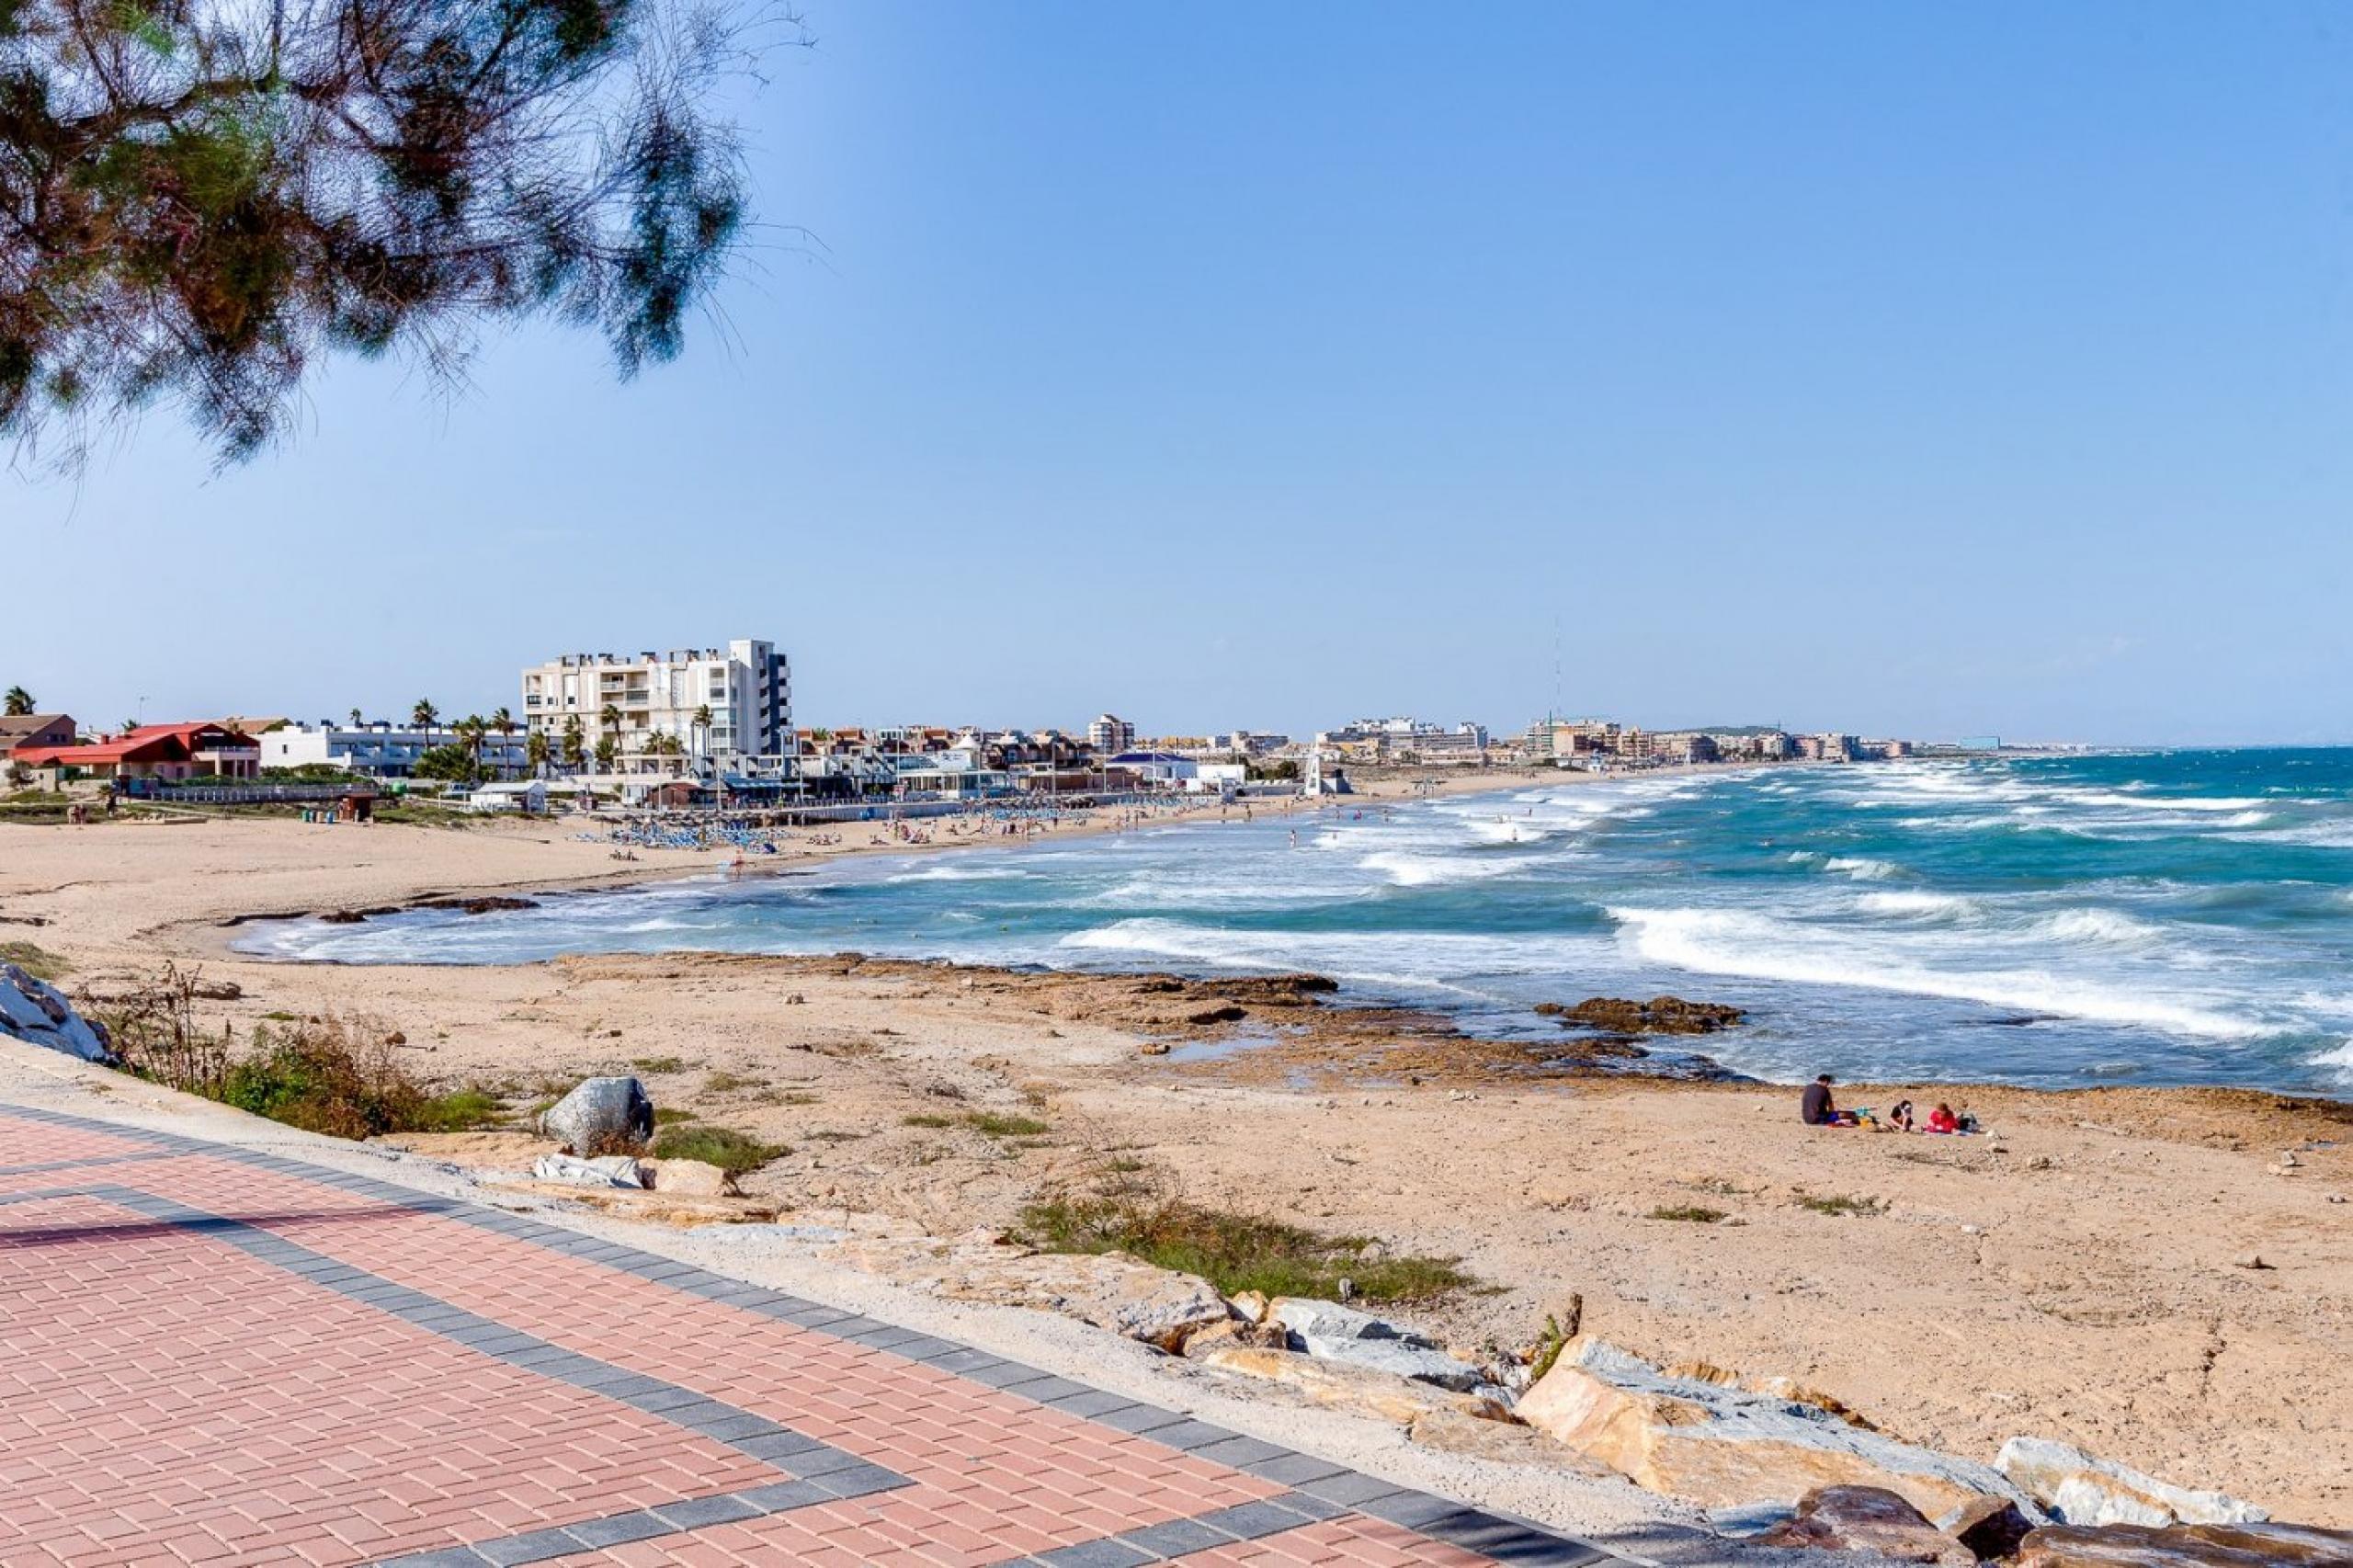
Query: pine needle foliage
point(200, 197)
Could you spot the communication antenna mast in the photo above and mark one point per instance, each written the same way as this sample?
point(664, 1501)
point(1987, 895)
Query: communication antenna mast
point(1556, 666)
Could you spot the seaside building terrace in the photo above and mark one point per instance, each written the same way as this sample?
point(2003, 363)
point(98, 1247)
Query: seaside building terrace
point(381, 750)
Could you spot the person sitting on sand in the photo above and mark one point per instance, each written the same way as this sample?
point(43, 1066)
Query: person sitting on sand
point(1942, 1120)
point(1899, 1116)
point(1816, 1108)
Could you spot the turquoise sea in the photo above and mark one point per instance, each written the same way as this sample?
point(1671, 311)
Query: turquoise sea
point(2152, 917)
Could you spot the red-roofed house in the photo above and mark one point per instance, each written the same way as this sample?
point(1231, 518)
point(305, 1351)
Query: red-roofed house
point(164, 753)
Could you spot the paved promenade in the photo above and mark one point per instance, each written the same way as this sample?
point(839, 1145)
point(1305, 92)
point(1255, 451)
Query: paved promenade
point(215, 1356)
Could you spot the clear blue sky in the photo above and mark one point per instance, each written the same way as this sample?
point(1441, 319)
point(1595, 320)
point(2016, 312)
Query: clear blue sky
point(1926, 370)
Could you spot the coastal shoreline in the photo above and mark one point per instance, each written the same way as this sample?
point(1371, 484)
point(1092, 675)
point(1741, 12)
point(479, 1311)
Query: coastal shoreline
point(2078, 1283)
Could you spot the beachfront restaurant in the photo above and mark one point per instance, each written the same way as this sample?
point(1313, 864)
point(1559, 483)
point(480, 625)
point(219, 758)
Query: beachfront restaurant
point(149, 755)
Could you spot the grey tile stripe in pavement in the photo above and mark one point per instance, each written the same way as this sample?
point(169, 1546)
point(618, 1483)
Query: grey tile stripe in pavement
point(88, 1161)
point(1501, 1536)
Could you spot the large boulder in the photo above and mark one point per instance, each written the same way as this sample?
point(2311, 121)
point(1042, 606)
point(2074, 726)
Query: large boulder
point(602, 1116)
point(2187, 1546)
point(1728, 1447)
point(1869, 1519)
point(2083, 1489)
point(33, 1011)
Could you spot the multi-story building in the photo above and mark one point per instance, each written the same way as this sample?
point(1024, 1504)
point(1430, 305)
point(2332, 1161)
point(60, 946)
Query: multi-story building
point(706, 712)
point(1110, 734)
point(382, 750)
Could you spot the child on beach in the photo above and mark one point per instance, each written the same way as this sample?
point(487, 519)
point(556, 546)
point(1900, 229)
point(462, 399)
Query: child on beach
point(1942, 1120)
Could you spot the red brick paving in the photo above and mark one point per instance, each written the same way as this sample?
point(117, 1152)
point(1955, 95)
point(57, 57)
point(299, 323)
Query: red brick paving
point(168, 1397)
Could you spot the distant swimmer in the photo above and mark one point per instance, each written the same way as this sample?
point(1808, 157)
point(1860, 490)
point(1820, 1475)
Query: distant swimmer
point(1294, 838)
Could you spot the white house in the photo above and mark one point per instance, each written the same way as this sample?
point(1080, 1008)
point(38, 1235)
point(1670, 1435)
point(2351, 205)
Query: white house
point(1162, 767)
point(528, 796)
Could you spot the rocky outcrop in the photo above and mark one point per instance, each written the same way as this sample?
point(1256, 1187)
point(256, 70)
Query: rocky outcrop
point(489, 905)
point(1330, 1332)
point(2082, 1489)
point(2187, 1546)
point(601, 1115)
point(1724, 1448)
point(1498, 1442)
point(1113, 1290)
point(1660, 1015)
point(1341, 1385)
point(33, 1011)
point(1869, 1519)
point(688, 1178)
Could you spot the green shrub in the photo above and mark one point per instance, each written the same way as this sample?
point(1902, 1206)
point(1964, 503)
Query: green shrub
point(470, 1110)
point(927, 1120)
point(1841, 1205)
point(39, 962)
point(338, 1077)
point(1237, 1252)
point(735, 1153)
point(994, 1125)
point(1691, 1212)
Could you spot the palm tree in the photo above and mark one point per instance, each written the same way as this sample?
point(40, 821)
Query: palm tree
point(424, 715)
point(504, 722)
point(606, 748)
point(535, 751)
point(702, 728)
point(18, 702)
point(575, 755)
point(471, 730)
point(355, 718)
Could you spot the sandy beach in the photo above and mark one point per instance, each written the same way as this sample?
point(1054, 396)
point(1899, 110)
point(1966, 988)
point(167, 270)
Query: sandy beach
point(2075, 1276)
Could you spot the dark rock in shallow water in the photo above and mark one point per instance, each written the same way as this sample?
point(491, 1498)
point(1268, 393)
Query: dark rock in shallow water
point(486, 905)
point(1660, 1015)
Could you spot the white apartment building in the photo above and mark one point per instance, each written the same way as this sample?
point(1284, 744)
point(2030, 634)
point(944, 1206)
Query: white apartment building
point(745, 687)
point(1110, 734)
point(381, 750)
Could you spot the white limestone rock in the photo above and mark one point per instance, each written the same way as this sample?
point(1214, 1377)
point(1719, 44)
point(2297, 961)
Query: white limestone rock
point(33, 1011)
point(2083, 1489)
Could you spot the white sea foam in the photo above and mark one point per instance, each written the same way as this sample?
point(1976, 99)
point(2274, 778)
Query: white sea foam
point(1863, 868)
point(1423, 960)
point(2098, 927)
point(1410, 869)
point(2339, 1061)
point(952, 873)
point(1760, 947)
point(1935, 905)
point(2162, 803)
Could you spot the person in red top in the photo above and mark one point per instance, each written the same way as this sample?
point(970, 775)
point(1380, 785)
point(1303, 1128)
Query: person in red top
point(1942, 1120)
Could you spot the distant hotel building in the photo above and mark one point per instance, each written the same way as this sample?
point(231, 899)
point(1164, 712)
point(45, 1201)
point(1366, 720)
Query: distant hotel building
point(1110, 734)
point(381, 750)
point(746, 686)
